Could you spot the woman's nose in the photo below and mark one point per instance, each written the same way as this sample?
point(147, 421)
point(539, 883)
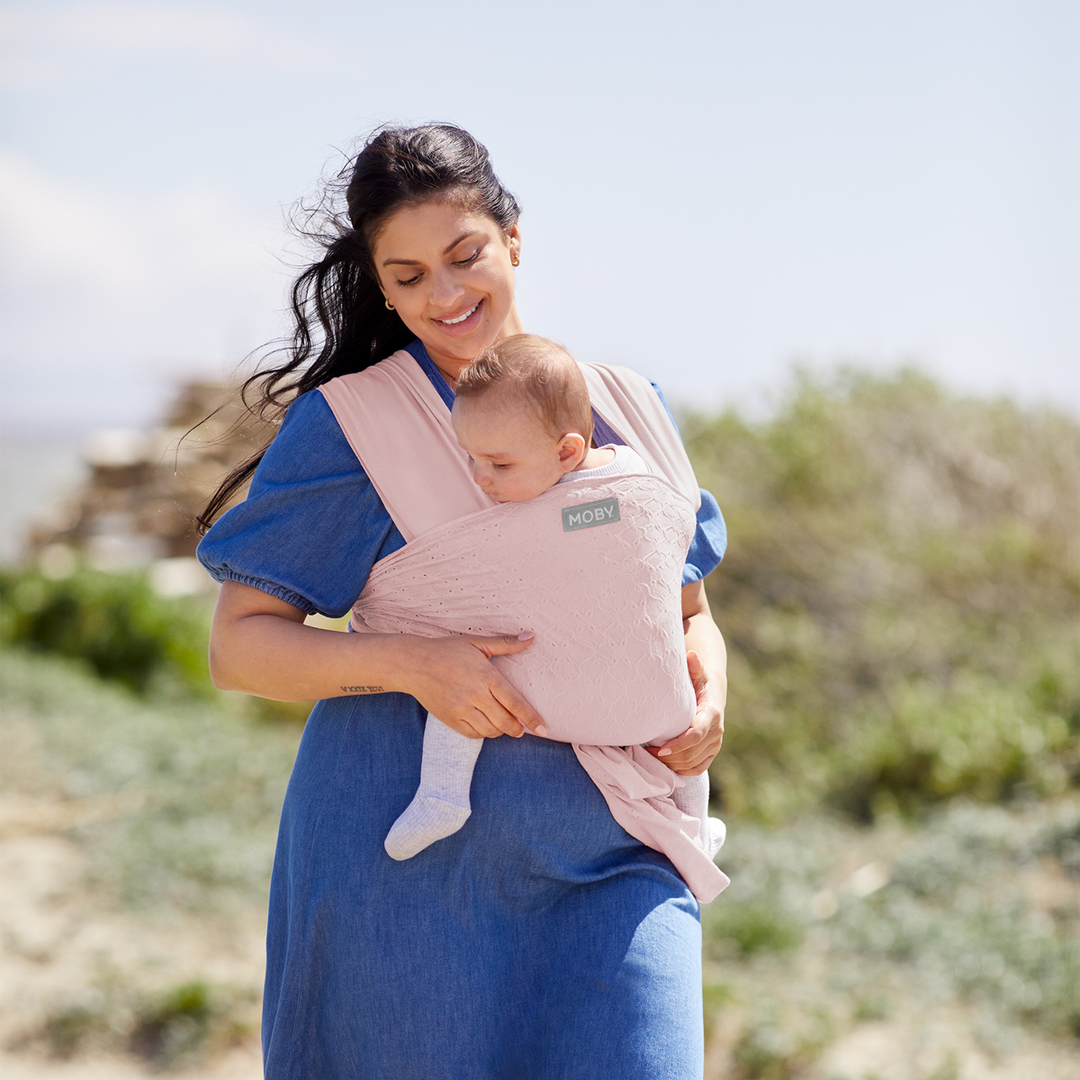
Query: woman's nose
point(446, 289)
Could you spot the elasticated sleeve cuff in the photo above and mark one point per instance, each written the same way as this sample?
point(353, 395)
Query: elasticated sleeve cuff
point(223, 574)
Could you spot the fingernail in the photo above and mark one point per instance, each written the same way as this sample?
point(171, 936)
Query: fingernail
point(525, 637)
point(541, 730)
point(663, 753)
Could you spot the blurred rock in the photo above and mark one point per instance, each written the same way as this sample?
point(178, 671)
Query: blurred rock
point(139, 505)
point(179, 576)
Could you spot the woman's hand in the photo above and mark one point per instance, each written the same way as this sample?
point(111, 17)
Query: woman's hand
point(454, 679)
point(691, 753)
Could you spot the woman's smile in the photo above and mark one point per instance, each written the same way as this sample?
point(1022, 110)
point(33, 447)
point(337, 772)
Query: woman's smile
point(460, 318)
point(464, 324)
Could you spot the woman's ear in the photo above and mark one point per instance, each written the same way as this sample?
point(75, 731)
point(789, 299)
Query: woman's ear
point(571, 451)
point(513, 239)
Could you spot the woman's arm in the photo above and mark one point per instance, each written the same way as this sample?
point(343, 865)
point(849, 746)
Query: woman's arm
point(260, 645)
point(691, 753)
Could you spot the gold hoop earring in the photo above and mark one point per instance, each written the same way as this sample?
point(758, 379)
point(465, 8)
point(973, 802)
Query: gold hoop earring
point(389, 306)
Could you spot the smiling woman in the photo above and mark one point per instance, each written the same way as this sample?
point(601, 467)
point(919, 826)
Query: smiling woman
point(541, 939)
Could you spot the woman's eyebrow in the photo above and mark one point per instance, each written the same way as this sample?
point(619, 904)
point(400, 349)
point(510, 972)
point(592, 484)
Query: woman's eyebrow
point(415, 262)
point(463, 236)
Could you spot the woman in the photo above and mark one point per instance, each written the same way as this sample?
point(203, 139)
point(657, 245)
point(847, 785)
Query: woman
point(540, 941)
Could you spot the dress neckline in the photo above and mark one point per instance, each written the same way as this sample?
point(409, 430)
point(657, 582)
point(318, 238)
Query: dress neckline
point(416, 350)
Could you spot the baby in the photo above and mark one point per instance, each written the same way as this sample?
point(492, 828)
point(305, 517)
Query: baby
point(522, 414)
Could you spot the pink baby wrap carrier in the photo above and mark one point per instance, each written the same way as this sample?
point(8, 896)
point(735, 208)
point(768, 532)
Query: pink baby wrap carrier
point(607, 669)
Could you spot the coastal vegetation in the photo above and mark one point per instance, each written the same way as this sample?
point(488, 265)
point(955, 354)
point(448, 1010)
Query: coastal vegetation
point(900, 773)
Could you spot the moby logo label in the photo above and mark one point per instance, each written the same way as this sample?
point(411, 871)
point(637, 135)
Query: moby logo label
point(587, 515)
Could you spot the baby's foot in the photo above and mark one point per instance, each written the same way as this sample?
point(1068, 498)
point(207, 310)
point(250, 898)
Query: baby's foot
point(715, 835)
point(426, 819)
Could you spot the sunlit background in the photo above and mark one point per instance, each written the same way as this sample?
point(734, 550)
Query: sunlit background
point(715, 194)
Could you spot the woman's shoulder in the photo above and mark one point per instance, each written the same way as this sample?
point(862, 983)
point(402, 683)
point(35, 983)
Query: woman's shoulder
point(618, 375)
point(308, 444)
point(394, 385)
point(311, 526)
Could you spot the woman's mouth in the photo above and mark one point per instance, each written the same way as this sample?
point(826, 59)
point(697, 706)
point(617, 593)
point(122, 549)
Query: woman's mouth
point(462, 318)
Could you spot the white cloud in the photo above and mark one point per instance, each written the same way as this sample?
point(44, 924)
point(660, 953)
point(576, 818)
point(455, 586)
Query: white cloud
point(111, 245)
point(48, 44)
point(55, 231)
point(181, 273)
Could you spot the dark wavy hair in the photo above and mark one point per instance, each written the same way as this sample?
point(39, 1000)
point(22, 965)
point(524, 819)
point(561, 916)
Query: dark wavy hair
point(341, 323)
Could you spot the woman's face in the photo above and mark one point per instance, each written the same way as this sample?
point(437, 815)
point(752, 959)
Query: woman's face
point(448, 272)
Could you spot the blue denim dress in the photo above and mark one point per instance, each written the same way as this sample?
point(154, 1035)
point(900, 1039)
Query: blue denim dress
point(540, 942)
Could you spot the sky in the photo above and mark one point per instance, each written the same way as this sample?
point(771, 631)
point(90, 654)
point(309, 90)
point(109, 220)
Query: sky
point(712, 191)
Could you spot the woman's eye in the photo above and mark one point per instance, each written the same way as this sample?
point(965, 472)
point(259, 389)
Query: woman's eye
point(471, 259)
point(411, 281)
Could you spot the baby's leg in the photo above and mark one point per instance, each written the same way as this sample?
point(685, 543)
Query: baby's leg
point(441, 804)
point(692, 798)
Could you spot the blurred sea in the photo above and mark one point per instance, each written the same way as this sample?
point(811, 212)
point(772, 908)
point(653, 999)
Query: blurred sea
point(36, 471)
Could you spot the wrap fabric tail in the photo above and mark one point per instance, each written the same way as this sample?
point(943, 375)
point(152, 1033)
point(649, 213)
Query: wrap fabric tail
point(638, 797)
point(391, 414)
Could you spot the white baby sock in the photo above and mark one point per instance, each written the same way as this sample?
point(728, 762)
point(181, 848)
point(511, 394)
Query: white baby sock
point(441, 803)
point(692, 797)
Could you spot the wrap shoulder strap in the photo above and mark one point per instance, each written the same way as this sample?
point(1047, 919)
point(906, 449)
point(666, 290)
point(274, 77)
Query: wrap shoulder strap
point(630, 404)
point(399, 428)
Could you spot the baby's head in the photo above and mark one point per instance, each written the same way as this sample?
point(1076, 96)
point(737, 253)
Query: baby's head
point(522, 415)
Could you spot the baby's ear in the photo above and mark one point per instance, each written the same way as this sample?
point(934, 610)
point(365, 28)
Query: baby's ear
point(571, 451)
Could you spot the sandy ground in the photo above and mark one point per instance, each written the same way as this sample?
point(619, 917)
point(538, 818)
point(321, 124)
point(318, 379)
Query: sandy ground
point(910, 1045)
point(59, 946)
point(238, 1064)
point(942, 1050)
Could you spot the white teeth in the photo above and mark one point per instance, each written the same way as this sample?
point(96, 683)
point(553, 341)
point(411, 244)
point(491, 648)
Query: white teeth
point(461, 318)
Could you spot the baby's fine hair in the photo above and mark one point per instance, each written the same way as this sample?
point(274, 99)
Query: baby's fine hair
point(526, 370)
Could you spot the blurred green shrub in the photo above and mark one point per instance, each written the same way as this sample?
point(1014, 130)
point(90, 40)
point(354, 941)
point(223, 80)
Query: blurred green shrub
point(900, 597)
point(113, 622)
point(169, 1029)
point(973, 903)
point(757, 927)
point(773, 1046)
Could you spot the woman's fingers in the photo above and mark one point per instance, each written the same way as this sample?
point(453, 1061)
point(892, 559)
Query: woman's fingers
point(515, 710)
point(500, 646)
point(697, 673)
point(457, 682)
point(476, 725)
point(691, 753)
point(688, 754)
